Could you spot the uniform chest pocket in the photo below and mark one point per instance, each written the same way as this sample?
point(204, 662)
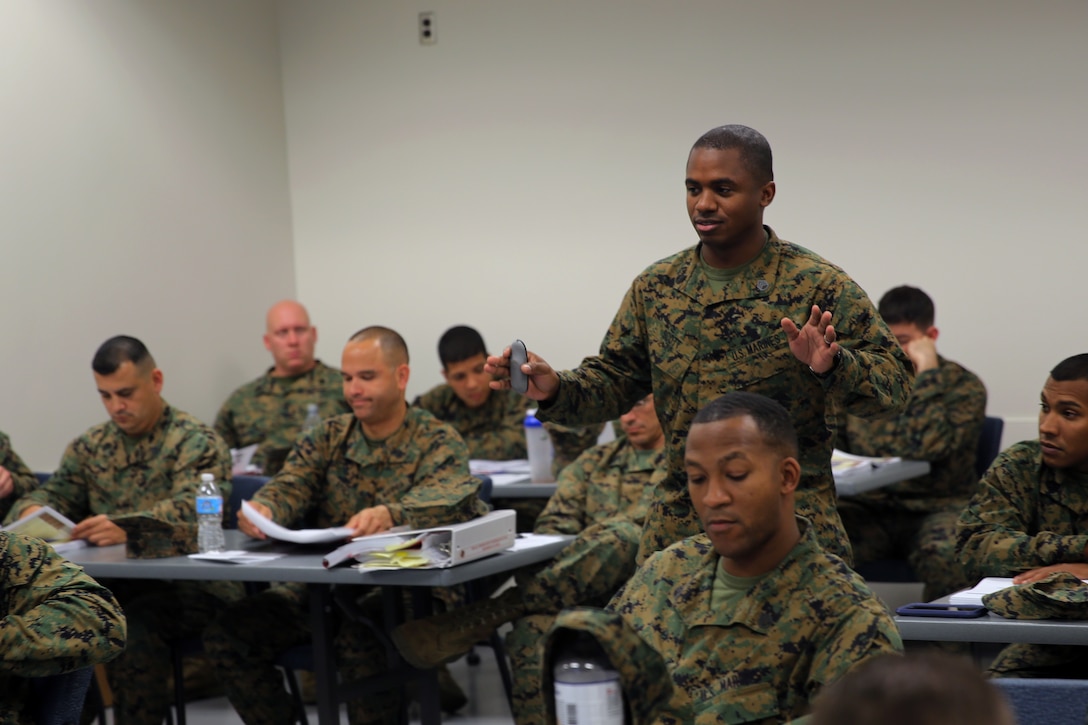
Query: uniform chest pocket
point(752, 704)
point(671, 352)
point(768, 368)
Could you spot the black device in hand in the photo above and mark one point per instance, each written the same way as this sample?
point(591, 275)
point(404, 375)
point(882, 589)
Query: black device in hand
point(519, 381)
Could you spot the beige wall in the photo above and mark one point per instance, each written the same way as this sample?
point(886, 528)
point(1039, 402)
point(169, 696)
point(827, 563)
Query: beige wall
point(519, 172)
point(168, 169)
point(143, 191)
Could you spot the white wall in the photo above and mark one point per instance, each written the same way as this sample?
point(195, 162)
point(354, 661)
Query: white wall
point(519, 172)
point(143, 191)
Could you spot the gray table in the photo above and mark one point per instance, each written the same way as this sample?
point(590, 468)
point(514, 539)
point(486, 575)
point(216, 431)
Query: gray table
point(854, 483)
point(992, 628)
point(303, 564)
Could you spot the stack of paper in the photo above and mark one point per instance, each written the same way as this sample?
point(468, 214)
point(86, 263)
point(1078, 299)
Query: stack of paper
point(847, 464)
point(46, 524)
point(479, 466)
point(974, 595)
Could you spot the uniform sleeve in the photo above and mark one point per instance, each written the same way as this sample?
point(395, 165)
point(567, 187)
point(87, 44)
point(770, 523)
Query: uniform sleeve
point(943, 417)
point(292, 491)
point(224, 424)
point(57, 618)
point(201, 451)
point(868, 632)
point(443, 491)
point(607, 384)
point(66, 489)
point(566, 509)
point(874, 376)
point(994, 532)
point(22, 477)
point(569, 443)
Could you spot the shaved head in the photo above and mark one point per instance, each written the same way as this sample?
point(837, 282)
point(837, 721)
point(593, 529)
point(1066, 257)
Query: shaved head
point(393, 347)
point(290, 338)
point(285, 309)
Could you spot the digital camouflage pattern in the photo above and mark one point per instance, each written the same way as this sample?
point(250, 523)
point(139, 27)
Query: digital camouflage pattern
point(1060, 595)
point(1025, 515)
point(800, 628)
point(941, 424)
point(602, 498)
point(270, 411)
point(606, 481)
point(104, 471)
point(420, 473)
point(916, 519)
point(675, 338)
point(21, 476)
point(496, 430)
point(55, 619)
point(647, 687)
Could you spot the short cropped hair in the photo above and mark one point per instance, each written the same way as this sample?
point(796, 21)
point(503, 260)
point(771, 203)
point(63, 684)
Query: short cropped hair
point(907, 305)
point(460, 343)
point(392, 344)
point(755, 150)
point(1071, 368)
point(928, 688)
point(771, 418)
point(118, 350)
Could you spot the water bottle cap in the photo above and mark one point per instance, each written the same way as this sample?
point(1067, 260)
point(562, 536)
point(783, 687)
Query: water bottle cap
point(311, 408)
point(532, 422)
point(207, 477)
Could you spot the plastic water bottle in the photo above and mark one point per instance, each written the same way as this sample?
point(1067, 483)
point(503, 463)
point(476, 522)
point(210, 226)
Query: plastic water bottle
point(313, 418)
point(587, 687)
point(539, 446)
point(209, 516)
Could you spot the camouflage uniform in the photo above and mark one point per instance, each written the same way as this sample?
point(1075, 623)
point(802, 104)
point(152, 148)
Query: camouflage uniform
point(603, 498)
point(105, 471)
point(916, 519)
point(55, 619)
point(801, 627)
point(21, 476)
point(1025, 515)
point(270, 410)
point(675, 338)
point(420, 473)
point(496, 431)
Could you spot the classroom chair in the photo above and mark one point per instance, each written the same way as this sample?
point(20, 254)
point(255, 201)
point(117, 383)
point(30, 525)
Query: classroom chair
point(58, 699)
point(989, 443)
point(899, 570)
point(1044, 700)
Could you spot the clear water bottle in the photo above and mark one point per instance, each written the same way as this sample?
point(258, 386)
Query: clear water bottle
point(539, 446)
point(587, 687)
point(209, 516)
point(313, 418)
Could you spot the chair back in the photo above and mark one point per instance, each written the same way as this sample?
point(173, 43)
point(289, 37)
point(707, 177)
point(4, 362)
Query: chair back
point(58, 699)
point(242, 488)
point(989, 443)
point(484, 494)
point(1045, 700)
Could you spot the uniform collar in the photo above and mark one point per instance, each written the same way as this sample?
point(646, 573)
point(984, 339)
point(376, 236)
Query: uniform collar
point(692, 596)
point(756, 280)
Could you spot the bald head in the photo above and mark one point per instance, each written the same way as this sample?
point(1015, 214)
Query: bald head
point(393, 347)
point(290, 338)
